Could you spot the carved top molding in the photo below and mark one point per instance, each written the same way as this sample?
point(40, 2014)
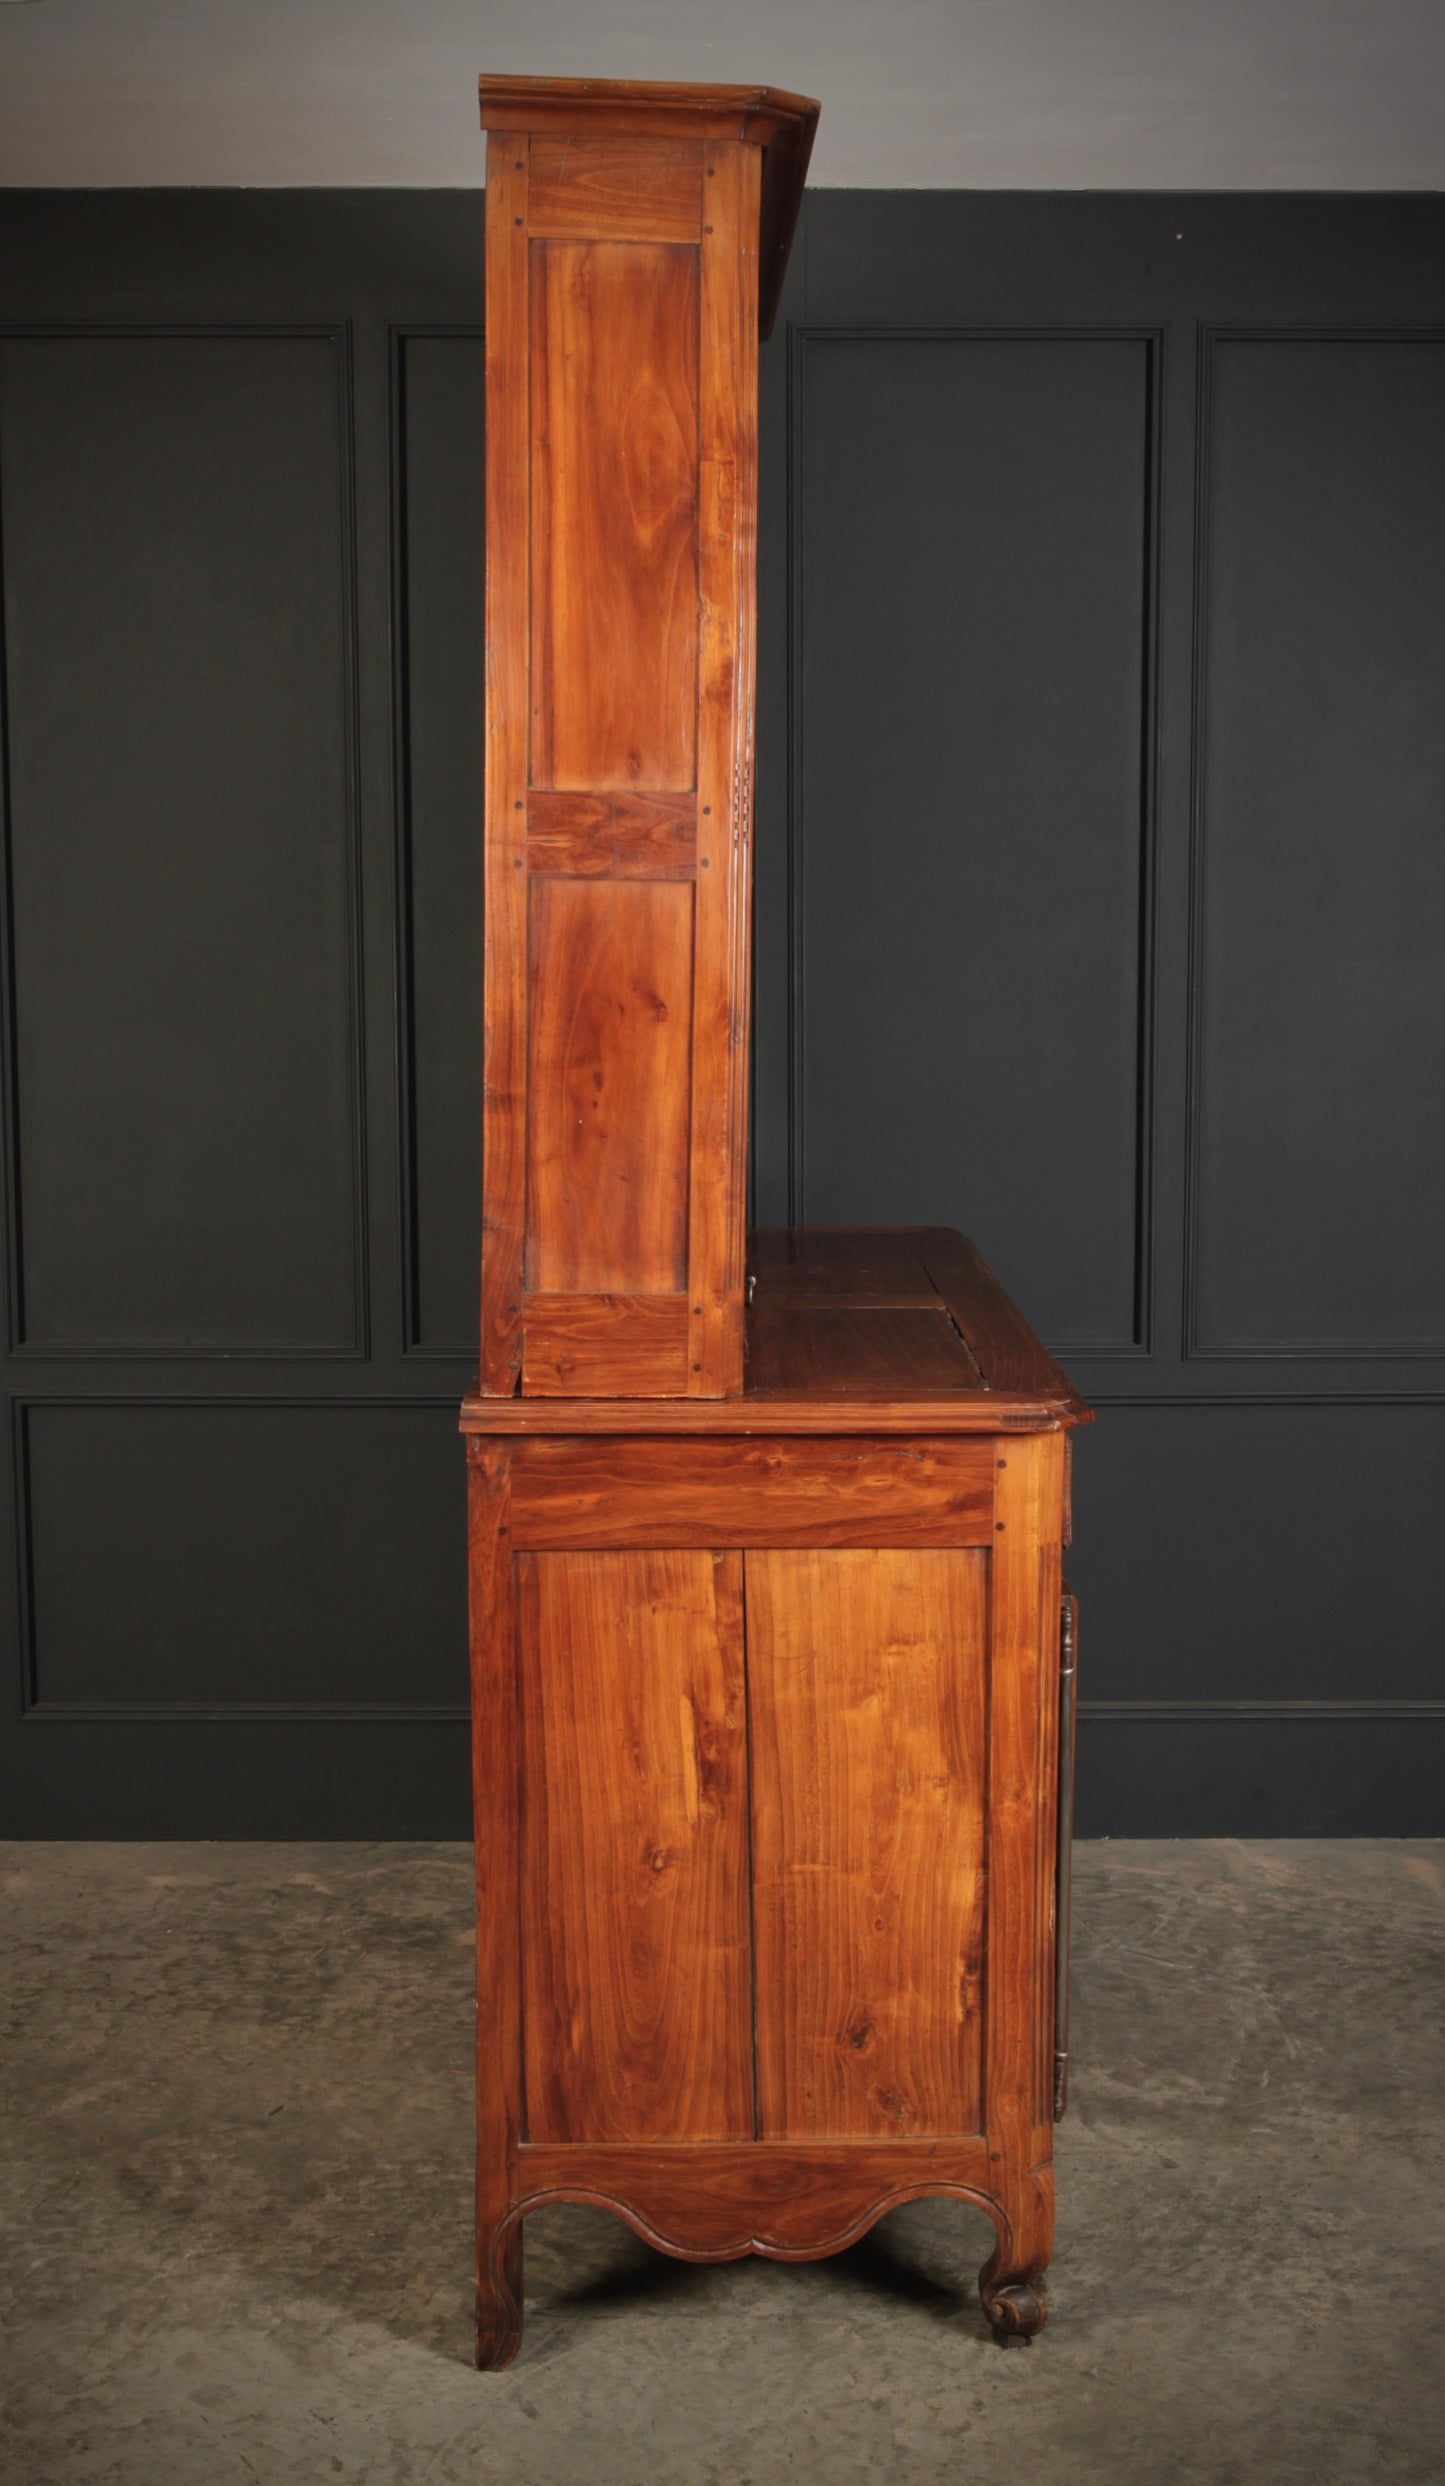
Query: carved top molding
point(783, 125)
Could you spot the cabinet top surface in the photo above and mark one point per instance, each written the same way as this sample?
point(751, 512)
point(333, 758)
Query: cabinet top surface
point(849, 1329)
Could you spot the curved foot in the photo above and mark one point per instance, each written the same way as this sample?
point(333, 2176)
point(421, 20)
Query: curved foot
point(1016, 2308)
point(499, 2300)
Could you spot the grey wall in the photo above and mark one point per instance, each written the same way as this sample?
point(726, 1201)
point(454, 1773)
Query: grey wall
point(1101, 874)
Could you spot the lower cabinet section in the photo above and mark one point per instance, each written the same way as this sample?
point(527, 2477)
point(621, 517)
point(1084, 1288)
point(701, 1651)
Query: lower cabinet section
point(766, 1843)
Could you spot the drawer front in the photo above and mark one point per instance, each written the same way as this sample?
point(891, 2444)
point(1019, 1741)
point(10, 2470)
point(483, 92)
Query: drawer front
point(763, 1493)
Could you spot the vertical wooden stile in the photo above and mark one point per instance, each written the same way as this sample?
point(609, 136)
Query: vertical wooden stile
point(504, 1071)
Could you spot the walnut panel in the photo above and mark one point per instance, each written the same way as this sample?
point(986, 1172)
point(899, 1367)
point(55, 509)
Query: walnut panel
point(614, 514)
point(635, 1976)
point(608, 1066)
point(866, 1693)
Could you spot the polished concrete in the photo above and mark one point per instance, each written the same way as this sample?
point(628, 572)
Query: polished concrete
point(236, 2137)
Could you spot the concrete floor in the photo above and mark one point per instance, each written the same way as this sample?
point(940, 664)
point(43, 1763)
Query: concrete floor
point(236, 2218)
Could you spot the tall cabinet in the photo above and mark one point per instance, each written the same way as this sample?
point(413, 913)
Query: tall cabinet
point(771, 1659)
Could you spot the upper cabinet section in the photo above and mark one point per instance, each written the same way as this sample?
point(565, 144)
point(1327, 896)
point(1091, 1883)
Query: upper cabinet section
point(635, 235)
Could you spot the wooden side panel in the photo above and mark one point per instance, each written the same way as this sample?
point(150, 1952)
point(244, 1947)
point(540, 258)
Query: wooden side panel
point(614, 482)
point(630, 191)
point(866, 1693)
point(636, 2009)
point(752, 1493)
point(613, 836)
point(631, 1346)
point(496, 1803)
point(504, 1109)
point(608, 1062)
point(727, 576)
point(1023, 1788)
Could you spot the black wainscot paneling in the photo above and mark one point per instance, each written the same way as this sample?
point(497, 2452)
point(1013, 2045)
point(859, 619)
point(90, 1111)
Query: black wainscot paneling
point(228, 1557)
point(1320, 1177)
point(175, 511)
point(439, 539)
point(973, 526)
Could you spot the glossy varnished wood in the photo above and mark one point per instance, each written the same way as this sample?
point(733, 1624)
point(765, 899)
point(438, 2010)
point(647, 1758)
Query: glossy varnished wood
point(866, 1674)
point(637, 2009)
point(849, 1985)
point(849, 1331)
point(614, 521)
point(779, 125)
point(504, 983)
point(776, 1492)
point(611, 999)
point(623, 285)
point(790, 2200)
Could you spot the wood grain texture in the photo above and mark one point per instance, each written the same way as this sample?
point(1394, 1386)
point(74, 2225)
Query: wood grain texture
point(496, 1803)
point(634, 1879)
point(614, 532)
point(727, 571)
point(834, 1351)
point(752, 1493)
point(1010, 1356)
point(790, 2200)
point(866, 1676)
point(608, 1082)
point(862, 1269)
point(634, 1346)
point(601, 187)
point(504, 991)
point(833, 1365)
point(780, 125)
point(1023, 1795)
point(613, 836)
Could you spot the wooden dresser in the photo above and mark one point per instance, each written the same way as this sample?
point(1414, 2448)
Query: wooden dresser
point(772, 1662)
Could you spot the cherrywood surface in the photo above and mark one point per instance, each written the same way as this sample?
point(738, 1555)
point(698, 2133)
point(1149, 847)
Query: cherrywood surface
point(611, 995)
point(825, 1350)
point(727, 570)
point(790, 2200)
point(606, 1343)
point(496, 1801)
point(613, 836)
point(781, 126)
point(754, 1493)
point(504, 982)
point(614, 519)
point(622, 462)
point(612, 186)
point(866, 1676)
point(635, 1966)
point(846, 1751)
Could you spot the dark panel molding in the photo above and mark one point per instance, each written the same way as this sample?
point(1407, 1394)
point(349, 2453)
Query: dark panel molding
point(1251, 1712)
point(32, 1707)
point(1139, 1345)
point(338, 335)
point(399, 336)
point(1195, 1346)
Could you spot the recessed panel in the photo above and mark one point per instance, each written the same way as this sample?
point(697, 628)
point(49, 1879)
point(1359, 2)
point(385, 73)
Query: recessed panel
point(1321, 1195)
point(866, 1681)
point(614, 498)
point(635, 1964)
point(973, 605)
point(176, 681)
point(224, 1555)
point(608, 1066)
point(440, 396)
point(1260, 1553)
